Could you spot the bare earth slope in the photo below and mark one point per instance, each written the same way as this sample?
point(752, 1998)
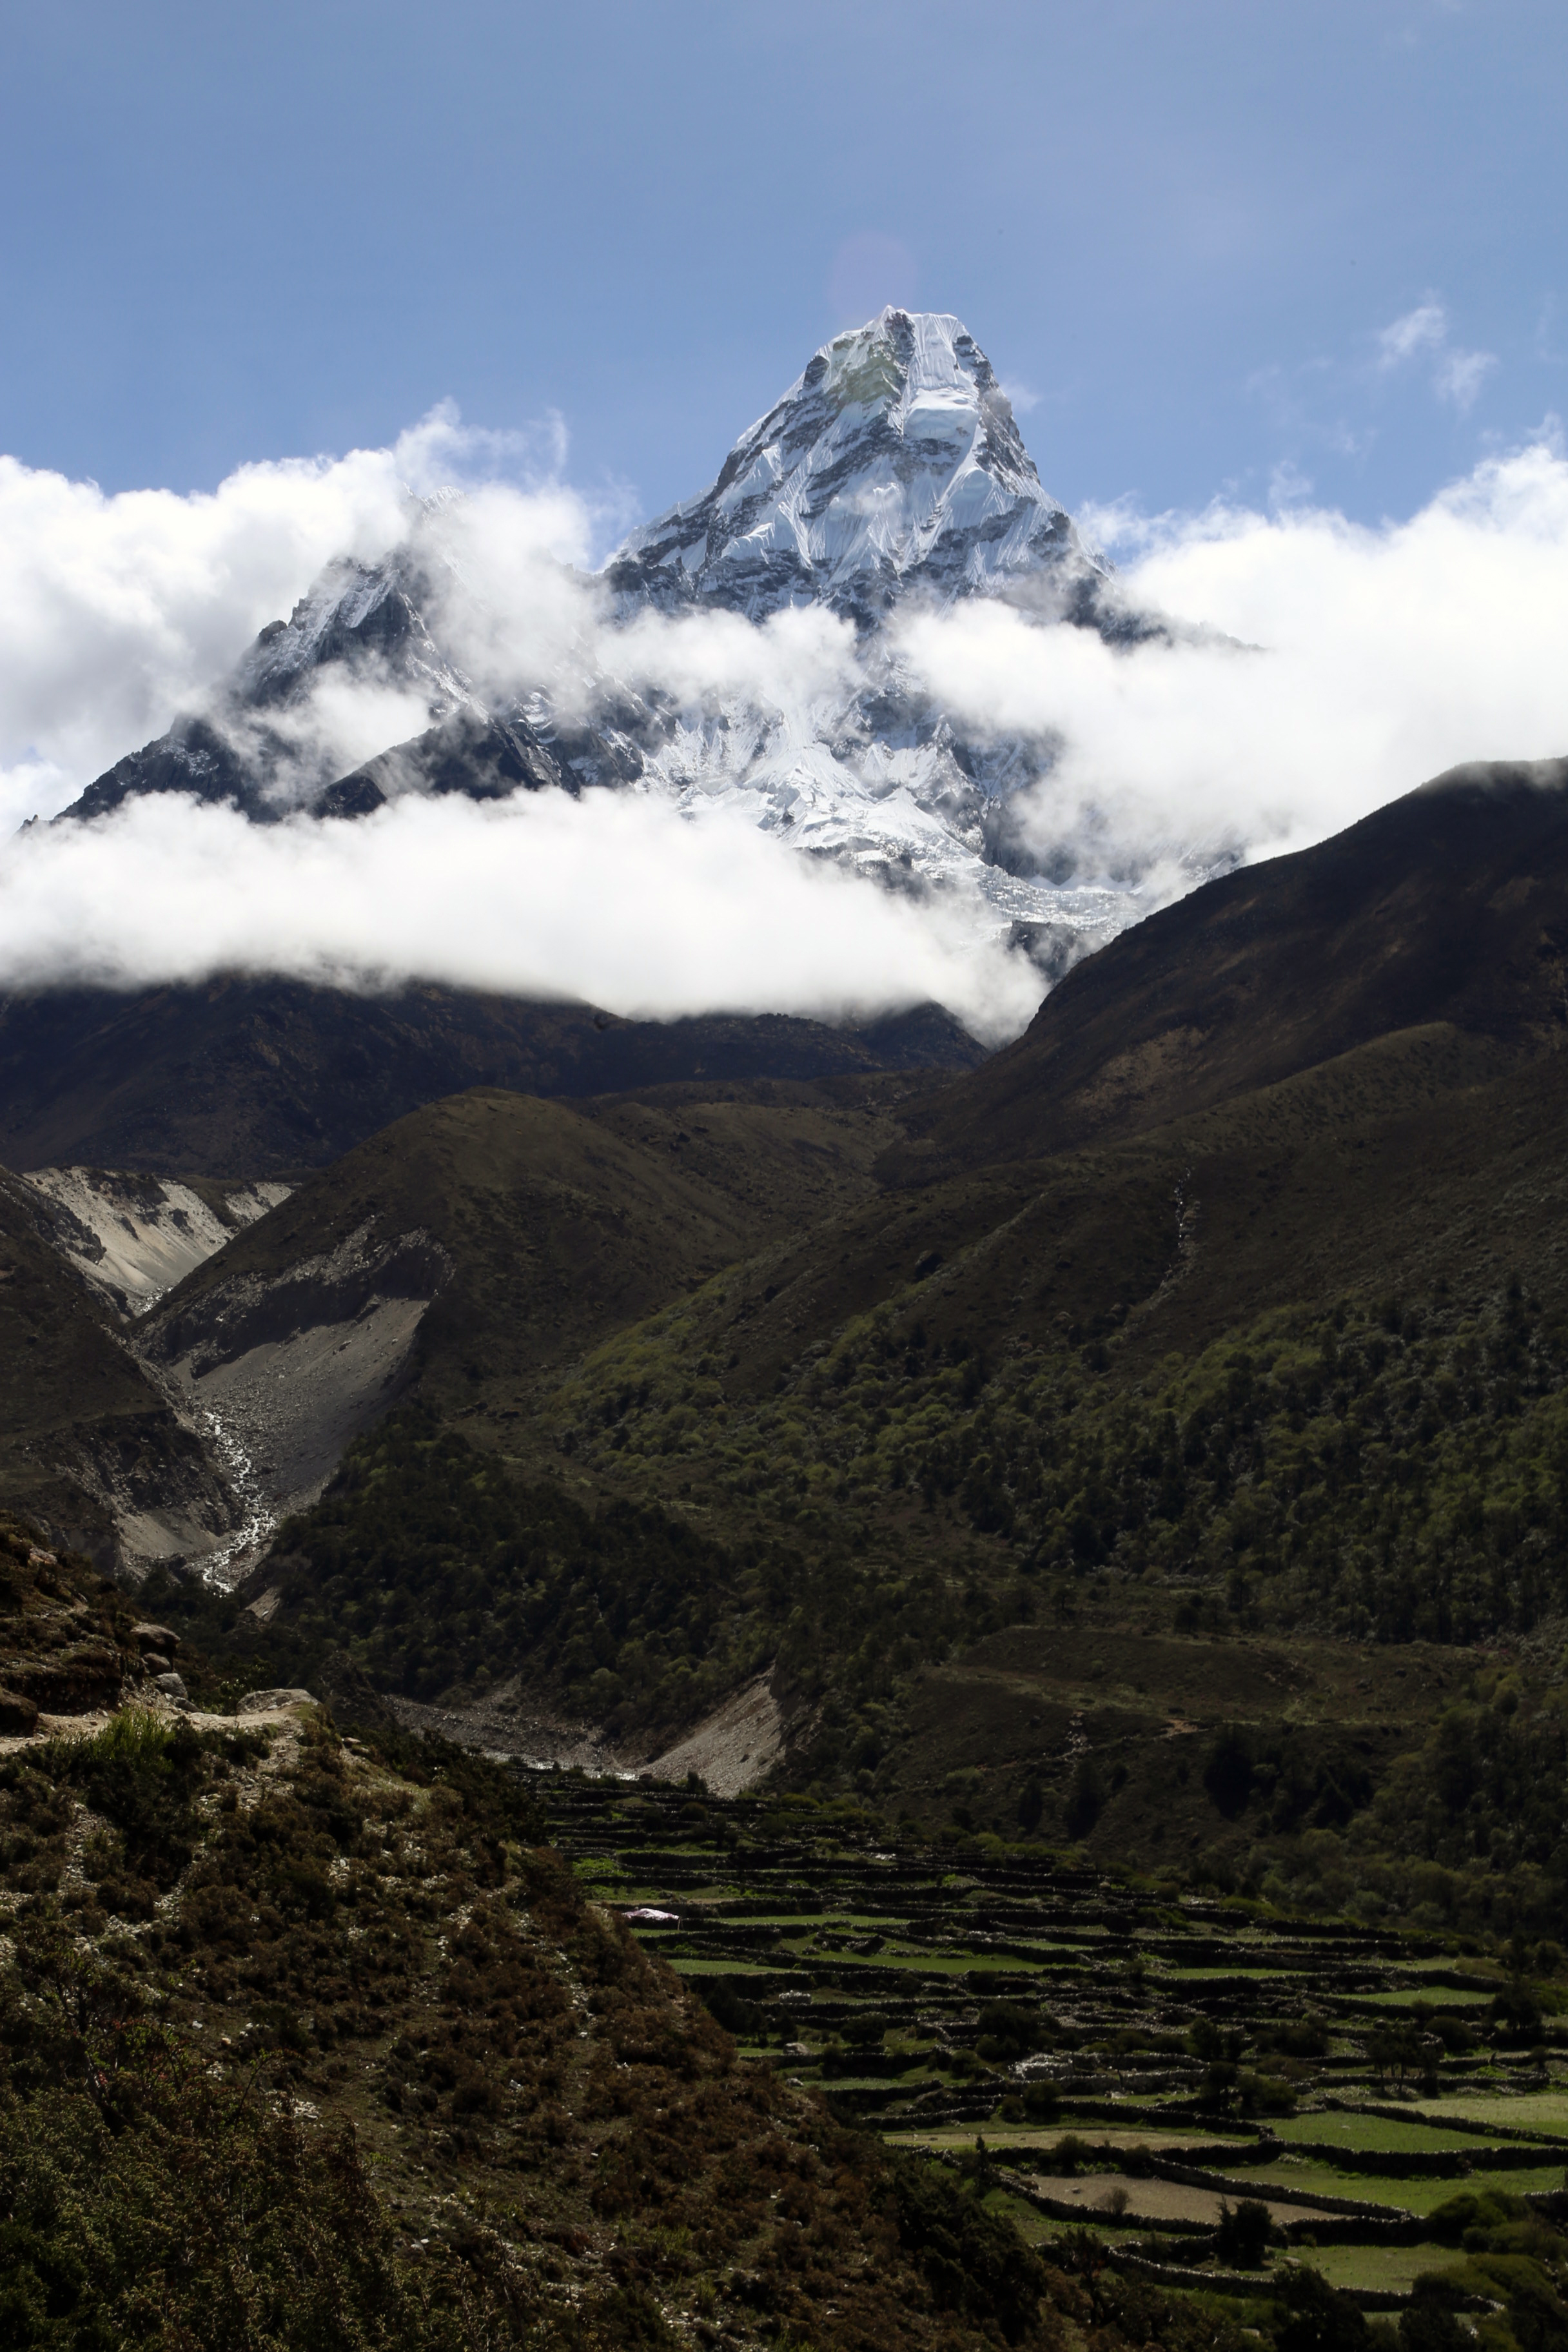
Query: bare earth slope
point(88, 1444)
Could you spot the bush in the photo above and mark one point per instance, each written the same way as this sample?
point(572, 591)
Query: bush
point(1242, 2233)
point(1008, 2031)
point(175, 2211)
point(1317, 2318)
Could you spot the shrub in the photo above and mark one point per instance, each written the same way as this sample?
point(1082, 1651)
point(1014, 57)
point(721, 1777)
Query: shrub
point(1242, 2233)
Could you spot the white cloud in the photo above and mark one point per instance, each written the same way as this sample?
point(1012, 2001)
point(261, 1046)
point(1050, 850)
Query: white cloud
point(1288, 484)
point(1457, 374)
point(794, 659)
point(614, 898)
point(512, 596)
point(1460, 375)
point(1424, 329)
point(344, 721)
point(117, 611)
point(1362, 662)
point(1340, 667)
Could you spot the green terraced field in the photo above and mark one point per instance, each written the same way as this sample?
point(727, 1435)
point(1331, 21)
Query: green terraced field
point(1375, 2133)
point(1543, 2111)
point(1391, 2268)
point(1438, 1999)
point(1409, 2193)
point(1004, 2010)
point(1302, 2178)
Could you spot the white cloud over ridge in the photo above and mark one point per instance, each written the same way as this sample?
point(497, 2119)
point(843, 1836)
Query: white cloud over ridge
point(1324, 668)
point(119, 611)
point(613, 898)
point(1345, 666)
point(116, 612)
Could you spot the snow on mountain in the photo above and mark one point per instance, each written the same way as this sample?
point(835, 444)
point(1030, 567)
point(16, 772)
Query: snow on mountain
point(355, 612)
point(360, 626)
point(891, 466)
point(891, 474)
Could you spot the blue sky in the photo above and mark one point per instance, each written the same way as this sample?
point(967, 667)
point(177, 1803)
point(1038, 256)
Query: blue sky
point(1218, 247)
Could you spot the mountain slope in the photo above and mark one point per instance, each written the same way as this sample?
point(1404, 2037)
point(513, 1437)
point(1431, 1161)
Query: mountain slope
point(1289, 1376)
point(702, 1439)
point(472, 1249)
point(311, 2042)
point(259, 1077)
point(357, 621)
point(1448, 905)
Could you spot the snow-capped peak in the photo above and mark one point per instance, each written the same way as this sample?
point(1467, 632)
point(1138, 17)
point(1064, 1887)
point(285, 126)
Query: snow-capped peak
point(353, 613)
point(892, 463)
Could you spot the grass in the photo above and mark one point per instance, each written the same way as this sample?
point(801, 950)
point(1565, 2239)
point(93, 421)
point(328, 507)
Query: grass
point(1410, 2193)
point(1545, 2111)
point(1376, 2135)
point(1391, 2268)
point(1305, 2179)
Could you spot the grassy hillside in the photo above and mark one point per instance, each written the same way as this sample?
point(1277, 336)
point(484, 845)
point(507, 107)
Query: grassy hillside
point(311, 2039)
point(1291, 1369)
point(1155, 1469)
point(1266, 1377)
point(558, 1224)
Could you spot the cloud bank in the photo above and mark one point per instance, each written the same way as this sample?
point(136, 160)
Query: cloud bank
point(613, 898)
point(119, 612)
point(1359, 663)
point(1318, 670)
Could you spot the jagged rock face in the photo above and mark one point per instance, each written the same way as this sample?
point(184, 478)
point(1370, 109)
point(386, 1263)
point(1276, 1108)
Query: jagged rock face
point(355, 613)
point(892, 466)
point(193, 757)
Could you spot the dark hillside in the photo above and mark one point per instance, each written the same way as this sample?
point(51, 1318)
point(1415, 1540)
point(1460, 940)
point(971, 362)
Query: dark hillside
point(1286, 1367)
point(559, 1224)
point(1450, 906)
point(1396, 1167)
point(251, 1077)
